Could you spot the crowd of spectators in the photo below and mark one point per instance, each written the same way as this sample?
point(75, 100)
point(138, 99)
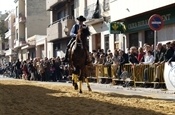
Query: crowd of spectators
point(55, 70)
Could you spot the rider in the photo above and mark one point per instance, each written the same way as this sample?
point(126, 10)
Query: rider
point(73, 34)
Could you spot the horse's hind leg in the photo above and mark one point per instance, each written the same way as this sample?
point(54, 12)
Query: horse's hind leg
point(88, 85)
point(74, 81)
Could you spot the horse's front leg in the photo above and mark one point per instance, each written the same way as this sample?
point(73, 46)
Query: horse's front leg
point(74, 81)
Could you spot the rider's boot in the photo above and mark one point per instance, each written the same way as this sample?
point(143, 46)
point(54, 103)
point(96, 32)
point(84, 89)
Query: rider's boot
point(88, 60)
point(66, 56)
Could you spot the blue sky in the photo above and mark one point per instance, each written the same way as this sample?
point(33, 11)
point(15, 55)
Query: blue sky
point(6, 5)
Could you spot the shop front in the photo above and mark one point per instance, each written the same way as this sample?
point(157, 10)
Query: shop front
point(139, 33)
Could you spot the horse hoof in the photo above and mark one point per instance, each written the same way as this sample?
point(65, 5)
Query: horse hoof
point(75, 86)
point(80, 91)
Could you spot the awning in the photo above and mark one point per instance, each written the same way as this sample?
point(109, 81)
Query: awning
point(117, 27)
point(27, 47)
point(94, 21)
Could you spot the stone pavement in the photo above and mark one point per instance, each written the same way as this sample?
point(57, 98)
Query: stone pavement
point(108, 88)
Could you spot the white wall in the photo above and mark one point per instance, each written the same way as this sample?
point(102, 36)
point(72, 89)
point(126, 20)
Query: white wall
point(118, 8)
point(97, 28)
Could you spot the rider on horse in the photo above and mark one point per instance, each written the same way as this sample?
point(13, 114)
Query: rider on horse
point(73, 34)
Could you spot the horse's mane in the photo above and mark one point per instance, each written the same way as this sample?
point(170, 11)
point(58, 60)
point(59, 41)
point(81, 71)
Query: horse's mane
point(82, 35)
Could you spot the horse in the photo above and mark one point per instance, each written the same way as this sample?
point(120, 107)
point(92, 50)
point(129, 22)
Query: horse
point(78, 56)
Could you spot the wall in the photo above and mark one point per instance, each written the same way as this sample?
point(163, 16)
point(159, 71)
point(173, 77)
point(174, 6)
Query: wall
point(120, 9)
point(37, 18)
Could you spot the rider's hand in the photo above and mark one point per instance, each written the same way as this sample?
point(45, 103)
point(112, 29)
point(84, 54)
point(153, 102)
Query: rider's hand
point(75, 35)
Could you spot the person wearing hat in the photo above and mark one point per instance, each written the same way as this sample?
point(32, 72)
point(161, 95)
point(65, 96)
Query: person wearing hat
point(73, 34)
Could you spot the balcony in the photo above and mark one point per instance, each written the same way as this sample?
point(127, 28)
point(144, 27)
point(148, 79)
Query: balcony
point(51, 3)
point(7, 34)
point(8, 52)
point(22, 18)
point(89, 14)
point(19, 42)
point(60, 28)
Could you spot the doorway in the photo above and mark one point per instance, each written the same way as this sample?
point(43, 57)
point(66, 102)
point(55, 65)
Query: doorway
point(133, 40)
point(97, 41)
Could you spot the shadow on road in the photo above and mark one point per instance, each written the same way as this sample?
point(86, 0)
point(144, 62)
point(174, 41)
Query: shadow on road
point(32, 100)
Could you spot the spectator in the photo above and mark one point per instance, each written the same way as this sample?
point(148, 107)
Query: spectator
point(159, 58)
point(148, 59)
point(141, 53)
point(133, 55)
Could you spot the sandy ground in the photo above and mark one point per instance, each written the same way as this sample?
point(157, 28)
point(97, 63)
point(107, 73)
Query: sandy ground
point(19, 97)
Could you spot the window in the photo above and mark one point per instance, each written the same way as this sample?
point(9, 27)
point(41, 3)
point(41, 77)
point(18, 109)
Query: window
point(16, 11)
point(149, 37)
point(59, 15)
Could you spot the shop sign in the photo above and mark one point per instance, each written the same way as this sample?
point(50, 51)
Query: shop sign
point(142, 22)
point(117, 28)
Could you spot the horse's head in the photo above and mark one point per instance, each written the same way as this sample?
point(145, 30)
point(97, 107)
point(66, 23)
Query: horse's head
point(82, 35)
point(83, 32)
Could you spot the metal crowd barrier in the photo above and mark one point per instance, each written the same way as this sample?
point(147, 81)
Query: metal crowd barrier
point(99, 71)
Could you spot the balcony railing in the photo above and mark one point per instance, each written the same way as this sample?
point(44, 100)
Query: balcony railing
point(89, 11)
point(7, 34)
point(19, 42)
point(93, 14)
point(57, 29)
point(106, 5)
point(51, 3)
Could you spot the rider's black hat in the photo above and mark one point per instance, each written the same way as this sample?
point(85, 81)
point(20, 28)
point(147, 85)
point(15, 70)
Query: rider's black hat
point(81, 18)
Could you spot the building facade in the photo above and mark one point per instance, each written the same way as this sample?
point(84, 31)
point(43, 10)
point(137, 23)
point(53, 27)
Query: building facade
point(98, 18)
point(61, 20)
point(10, 55)
point(31, 19)
point(136, 18)
point(3, 41)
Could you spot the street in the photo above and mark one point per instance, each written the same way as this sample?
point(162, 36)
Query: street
point(109, 88)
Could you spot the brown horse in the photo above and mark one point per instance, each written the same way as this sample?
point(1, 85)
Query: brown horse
point(78, 57)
